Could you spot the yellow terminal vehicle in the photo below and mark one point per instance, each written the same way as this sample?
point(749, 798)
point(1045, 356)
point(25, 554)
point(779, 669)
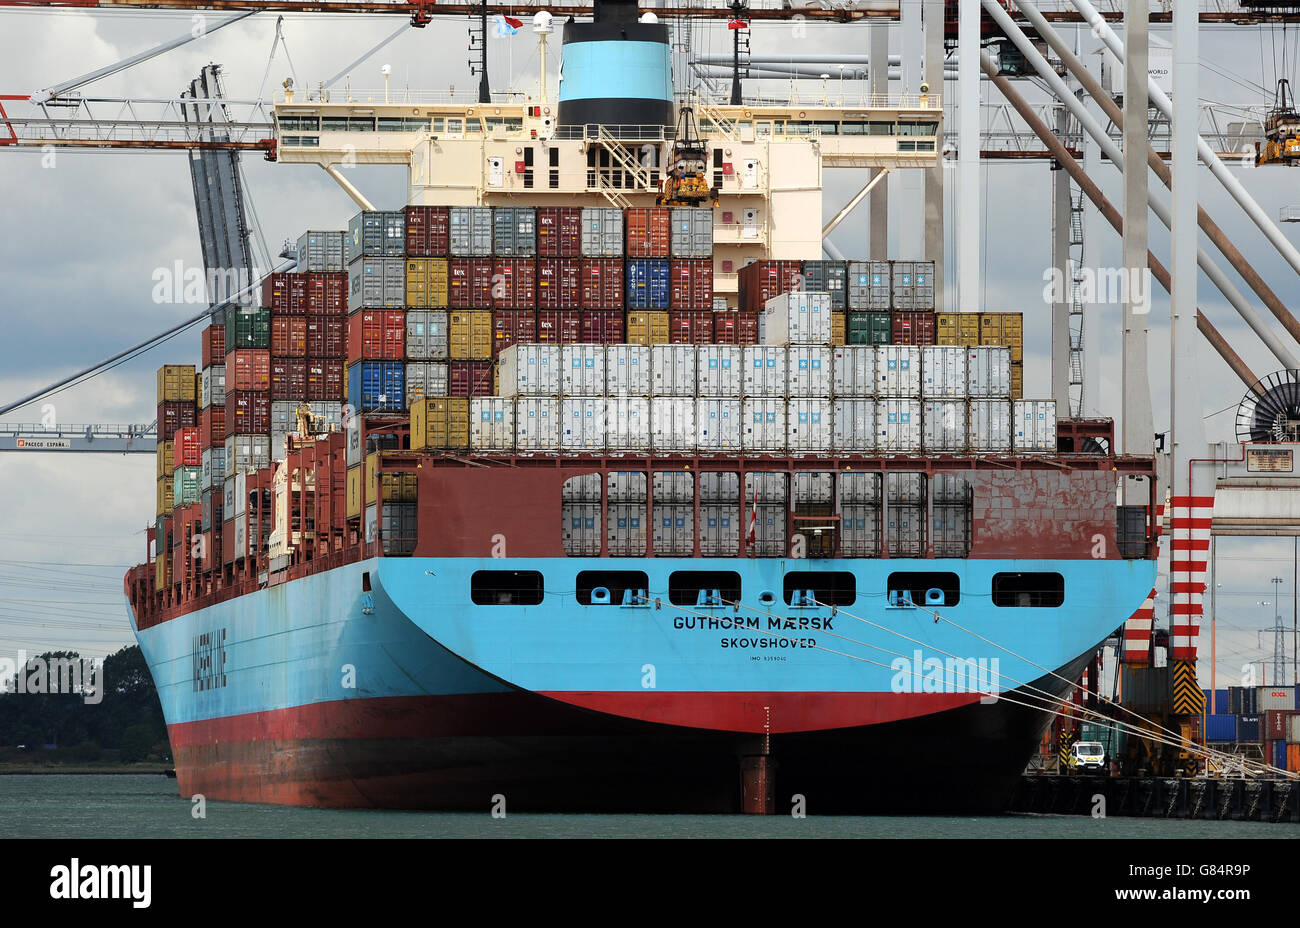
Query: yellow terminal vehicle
point(686, 182)
point(1281, 143)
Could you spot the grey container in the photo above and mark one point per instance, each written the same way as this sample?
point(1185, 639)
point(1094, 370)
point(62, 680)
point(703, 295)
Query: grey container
point(853, 425)
point(860, 529)
point(829, 277)
point(470, 231)
point(944, 426)
point(905, 531)
point(673, 370)
point(950, 488)
point(602, 232)
point(670, 487)
point(769, 530)
point(950, 530)
point(904, 488)
point(771, 488)
point(990, 426)
point(321, 252)
point(1033, 425)
point(514, 231)
point(582, 489)
point(674, 529)
point(853, 371)
point(580, 534)
point(869, 285)
point(426, 335)
point(214, 468)
point(719, 529)
point(376, 283)
point(988, 372)
point(399, 528)
point(625, 529)
point(1131, 530)
point(692, 232)
point(425, 378)
point(626, 486)
point(375, 234)
point(719, 486)
point(859, 488)
point(812, 487)
point(913, 286)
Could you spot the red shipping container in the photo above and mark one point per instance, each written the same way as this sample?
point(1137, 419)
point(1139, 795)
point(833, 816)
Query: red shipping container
point(315, 292)
point(297, 294)
point(470, 283)
point(187, 450)
point(336, 294)
point(913, 328)
point(1276, 722)
point(427, 229)
point(288, 378)
point(514, 283)
point(275, 292)
point(325, 379)
point(377, 335)
point(289, 336)
point(512, 327)
point(601, 327)
point(602, 283)
point(559, 326)
point(559, 231)
point(762, 280)
point(212, 427)
point(469, 378)
point(327, 337)
point(559, 283)
point(214, 345)
point(690, 283)
point(248, 369)
point(248, 413)
point(690, 327)
point(648, 230)
point(732, 327)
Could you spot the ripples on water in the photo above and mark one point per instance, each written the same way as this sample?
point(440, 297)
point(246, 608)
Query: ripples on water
point(130, 806)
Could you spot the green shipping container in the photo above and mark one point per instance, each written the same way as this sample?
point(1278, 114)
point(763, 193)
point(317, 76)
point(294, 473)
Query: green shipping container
point(248, 327)
point(869, 328)
point(187, 485)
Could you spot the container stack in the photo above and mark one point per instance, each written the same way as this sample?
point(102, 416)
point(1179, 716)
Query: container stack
point(178, 387)
point(1264, 716)
point(796, 394)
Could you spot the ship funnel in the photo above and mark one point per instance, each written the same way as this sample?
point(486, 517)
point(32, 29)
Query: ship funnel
point(616, 71)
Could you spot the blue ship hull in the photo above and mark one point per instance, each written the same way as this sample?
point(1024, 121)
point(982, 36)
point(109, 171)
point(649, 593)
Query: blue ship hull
point(381, 683)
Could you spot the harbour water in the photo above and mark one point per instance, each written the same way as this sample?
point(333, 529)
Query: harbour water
point(136, 806)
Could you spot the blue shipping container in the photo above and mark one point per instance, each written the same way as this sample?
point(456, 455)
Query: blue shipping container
point(1248, 728)
point(1221, 728)
point(1243, 700)
point(647, 283)
point(1279, 755)
point(377, 386)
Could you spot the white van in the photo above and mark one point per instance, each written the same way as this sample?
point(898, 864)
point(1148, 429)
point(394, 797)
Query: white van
point(1089, 755)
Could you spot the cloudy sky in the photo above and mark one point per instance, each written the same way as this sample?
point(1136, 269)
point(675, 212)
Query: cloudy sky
point(85, 234)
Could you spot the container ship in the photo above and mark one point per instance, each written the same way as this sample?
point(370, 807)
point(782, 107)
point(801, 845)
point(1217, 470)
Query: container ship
point(583, 482)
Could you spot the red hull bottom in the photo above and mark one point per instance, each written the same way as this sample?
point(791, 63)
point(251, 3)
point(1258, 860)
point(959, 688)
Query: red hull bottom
point(460, 752)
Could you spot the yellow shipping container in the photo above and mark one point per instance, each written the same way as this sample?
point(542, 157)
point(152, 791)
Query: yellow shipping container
point(372, 478)
point(838, 328)
point(647, 328)
point(440, 422)
point(426, 283)
point(176, 383)
point(968, 329)
point(945, 329)
point(165, 454)
point(398, 488)
point(1017, 381)
point(354, 491)
point(1012, 326)
point(165, 492)
point(990, 328)
point(470, 335)
point(161, 568)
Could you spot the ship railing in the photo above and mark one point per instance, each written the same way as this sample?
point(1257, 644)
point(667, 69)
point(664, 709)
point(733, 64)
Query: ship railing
point(619, 132)
point(871, 101)
point(368, 97)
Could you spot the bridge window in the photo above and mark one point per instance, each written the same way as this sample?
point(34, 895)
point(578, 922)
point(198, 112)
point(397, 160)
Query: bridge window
point(299, 123)
point(918, 128)
point(686, 586)
point(830, 588)
point(361, 124)
point(334, 123)
point(618, 582)
point(506, 587)
point(827, 128)
point(917, 582)
point(1038, 590)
